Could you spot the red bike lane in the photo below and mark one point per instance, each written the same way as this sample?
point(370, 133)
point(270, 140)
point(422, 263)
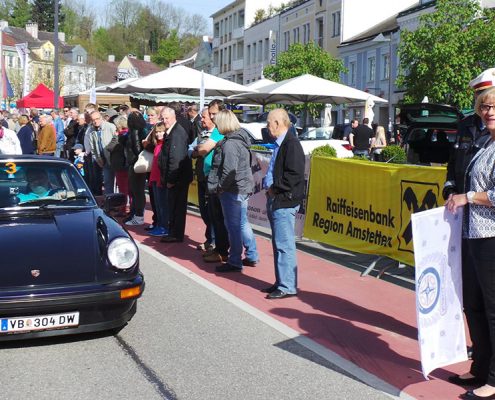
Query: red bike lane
point(367, 321)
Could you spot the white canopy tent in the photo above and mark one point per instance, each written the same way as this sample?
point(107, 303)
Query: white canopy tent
point(181, 80)
point(305, 89)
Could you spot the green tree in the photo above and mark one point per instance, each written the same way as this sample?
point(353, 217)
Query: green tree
point(43, 12)
point(168, 50)
point(21, 13)
point(450, 47)
point(305, 59)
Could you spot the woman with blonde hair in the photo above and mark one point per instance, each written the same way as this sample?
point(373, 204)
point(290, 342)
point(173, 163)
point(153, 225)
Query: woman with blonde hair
point(232, 179)
point(479, 233)
point(378, 143)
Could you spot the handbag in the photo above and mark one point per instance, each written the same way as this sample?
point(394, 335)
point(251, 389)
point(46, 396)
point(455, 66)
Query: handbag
point(143, 162)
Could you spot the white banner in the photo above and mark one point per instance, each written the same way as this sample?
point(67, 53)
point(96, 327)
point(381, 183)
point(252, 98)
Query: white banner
point(257, 202)
point(23, 52)
point(437, 255)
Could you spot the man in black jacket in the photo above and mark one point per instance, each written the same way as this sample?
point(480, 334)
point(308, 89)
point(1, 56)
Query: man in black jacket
point(284, 184)
point(176, 174)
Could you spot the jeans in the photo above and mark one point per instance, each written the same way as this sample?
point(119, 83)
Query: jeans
point(217, 220)
point(59, 149)
point(361, 153)
point(234, 208)
point(108, 180)
point(282, 222)
point(160, 195)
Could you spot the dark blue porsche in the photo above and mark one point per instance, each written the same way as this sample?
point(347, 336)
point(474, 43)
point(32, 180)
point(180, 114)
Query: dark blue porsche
point(66, 266)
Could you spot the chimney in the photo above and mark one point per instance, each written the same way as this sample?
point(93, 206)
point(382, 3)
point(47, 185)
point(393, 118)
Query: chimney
point(147, 58)
point(61, 37)
point(111, 58)
point(32, 29)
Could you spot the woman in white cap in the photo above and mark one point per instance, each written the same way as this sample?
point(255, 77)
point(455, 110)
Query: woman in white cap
point(479, 234)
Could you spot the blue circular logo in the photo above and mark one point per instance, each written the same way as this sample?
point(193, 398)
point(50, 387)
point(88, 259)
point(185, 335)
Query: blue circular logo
point(428, 290)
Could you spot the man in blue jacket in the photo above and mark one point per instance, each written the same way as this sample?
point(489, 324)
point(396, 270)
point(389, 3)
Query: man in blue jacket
point(59, 129)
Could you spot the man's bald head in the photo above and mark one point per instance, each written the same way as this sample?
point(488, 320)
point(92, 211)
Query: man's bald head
point(278, 122)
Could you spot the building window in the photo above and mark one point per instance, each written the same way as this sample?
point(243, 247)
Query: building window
point(266, 49)
point(306, 33)
point(248, 54)
point(352, 73)
point(254, 53)
point(240, 51)
point(47, 54)
point(10, 61)
point(286, 40)
point(321, 3)
point(217, 30)
point(40, 72)
point(241, 19)
point(48, 74)
point(260, 51)
point(319, 32)
point(371, 69)
point(295, 34)
point(336, 23)
point(80, 77)
point(386, 66)
point(70, 76)
point(79, 59)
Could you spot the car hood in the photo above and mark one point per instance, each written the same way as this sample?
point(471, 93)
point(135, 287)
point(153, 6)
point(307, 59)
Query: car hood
point(49, 247)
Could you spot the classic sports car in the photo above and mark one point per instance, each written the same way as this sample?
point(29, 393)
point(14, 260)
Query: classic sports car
point(66, 266)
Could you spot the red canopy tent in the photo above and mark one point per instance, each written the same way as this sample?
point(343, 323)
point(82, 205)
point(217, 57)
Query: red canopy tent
point(40, 97)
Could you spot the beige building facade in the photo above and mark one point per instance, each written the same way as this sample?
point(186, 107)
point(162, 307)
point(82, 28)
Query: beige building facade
point(229, 24)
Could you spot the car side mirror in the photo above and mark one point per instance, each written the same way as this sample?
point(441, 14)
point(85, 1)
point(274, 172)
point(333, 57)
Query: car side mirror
point(114, 202)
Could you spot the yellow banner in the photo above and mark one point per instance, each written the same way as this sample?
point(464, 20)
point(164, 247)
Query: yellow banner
point(366, 207)
point(192, 194)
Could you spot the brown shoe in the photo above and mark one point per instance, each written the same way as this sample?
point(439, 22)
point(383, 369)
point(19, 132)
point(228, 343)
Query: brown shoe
point(215, 258)
point(209, 252)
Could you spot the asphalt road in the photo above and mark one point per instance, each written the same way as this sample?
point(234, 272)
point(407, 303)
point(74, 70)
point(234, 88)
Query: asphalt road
point(186, 341)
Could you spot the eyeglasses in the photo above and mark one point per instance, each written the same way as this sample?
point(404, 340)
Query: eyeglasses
point(487, 107)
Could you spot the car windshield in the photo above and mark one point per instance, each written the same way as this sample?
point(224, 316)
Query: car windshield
point(42, 184)
point(323, 133)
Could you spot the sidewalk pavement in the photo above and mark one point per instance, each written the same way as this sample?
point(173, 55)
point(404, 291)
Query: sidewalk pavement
point(367, 321)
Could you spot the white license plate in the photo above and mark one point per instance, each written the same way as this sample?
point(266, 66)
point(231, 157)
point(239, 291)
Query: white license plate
point(37, 323)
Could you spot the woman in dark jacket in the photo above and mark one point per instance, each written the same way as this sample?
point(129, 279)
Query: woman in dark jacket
point(26, 135)
point(137, 182)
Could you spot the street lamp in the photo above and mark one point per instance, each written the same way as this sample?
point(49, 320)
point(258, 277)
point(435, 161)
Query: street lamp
point(55, 63)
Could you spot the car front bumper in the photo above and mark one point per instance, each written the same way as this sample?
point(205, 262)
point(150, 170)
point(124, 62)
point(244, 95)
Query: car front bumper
point(100, 307)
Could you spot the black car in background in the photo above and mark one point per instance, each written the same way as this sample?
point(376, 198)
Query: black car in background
point(428, 132)
point(66, 267)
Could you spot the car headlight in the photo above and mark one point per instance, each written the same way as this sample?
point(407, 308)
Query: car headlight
point(122, 253)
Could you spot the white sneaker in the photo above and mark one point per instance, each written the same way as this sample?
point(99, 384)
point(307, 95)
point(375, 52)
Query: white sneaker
point(135, 221)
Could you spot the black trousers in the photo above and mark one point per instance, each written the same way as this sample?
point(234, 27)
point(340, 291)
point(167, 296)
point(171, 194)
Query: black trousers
point(177, 203)
point(216, 216)
point(479, 304)
point(137, 184)
point(203, 210)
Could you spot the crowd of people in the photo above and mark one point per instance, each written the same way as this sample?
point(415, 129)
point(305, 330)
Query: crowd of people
point(106, 148)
